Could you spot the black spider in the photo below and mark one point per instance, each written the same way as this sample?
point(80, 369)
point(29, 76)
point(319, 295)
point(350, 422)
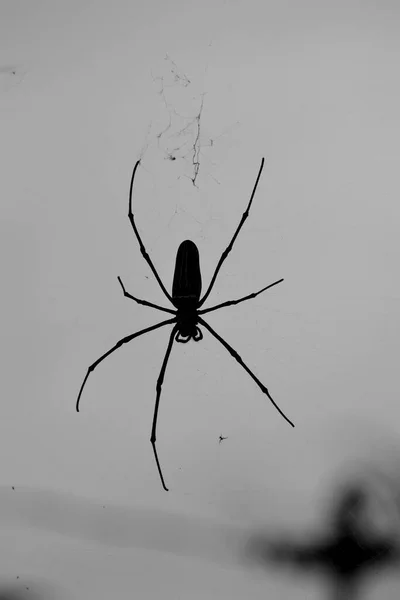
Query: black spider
point(186, 290)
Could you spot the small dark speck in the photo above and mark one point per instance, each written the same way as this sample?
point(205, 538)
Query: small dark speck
point(12, 487)
point(17, 576)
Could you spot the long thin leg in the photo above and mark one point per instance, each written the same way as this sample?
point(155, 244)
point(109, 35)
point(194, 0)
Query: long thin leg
point(229, 248)
point(236, 356)
point(124, 340)
point(158, 388)
point(144, 302)
point(231, 302)
point(139, 239)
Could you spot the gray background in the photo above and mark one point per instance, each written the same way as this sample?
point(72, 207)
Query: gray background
point(86, 88)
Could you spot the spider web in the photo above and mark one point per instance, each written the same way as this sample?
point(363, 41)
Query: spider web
point(179, 150)
point(181, 132)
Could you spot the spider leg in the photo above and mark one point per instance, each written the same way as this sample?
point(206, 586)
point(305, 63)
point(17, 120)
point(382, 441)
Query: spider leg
point(144, 302)
point(159, 388)
point(124, 340)
point(236, 356)
point(231, 302)
point(229, 247)
point(139, 239)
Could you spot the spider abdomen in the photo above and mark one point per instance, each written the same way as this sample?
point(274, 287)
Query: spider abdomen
point(186, 286)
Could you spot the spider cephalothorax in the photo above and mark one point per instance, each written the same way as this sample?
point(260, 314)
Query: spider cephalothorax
point(188, 329)
point(186, 291)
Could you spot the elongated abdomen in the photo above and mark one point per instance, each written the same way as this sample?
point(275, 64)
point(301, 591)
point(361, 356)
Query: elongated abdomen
point(187, 276)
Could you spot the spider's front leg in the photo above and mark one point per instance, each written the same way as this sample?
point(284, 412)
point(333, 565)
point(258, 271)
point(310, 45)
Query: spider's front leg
point(124, 340)
point(159, 388)
point(238, 358)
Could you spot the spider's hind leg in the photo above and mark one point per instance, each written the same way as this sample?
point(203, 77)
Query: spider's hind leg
point(231, 243)
point(139, 239)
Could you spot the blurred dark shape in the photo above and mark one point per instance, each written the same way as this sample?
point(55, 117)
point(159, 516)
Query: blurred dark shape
point(23, 592)
point(178, 533)
point(31, 587)
point(351, 550)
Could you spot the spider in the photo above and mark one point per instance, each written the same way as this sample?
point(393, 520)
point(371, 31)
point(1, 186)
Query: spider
point(186, 292)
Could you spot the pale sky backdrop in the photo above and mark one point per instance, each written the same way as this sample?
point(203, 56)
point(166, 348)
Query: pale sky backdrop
point(86, 89)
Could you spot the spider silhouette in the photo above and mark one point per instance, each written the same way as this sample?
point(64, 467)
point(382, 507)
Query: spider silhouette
point(186, 291)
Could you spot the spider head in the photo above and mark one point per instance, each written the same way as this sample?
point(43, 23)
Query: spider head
point(186, 318)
